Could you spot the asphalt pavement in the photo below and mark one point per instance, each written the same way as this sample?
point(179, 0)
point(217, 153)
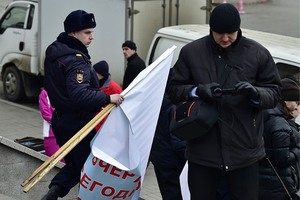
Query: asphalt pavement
point(18, 121)
point(274, 16)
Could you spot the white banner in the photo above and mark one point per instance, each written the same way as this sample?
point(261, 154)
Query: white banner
point(120, 151)
point(184, 183)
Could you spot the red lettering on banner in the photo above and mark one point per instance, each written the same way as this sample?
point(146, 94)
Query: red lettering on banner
point(126, 174)
point(108, 191)
point(115, 169)
point(131, 193)
point(85, 179)
point(138, 180)
point(88, 182)
point(120, 195)
point(112, 170)
point(104, 165)
point(94, 160)
point(94, 184)
point(111, 191)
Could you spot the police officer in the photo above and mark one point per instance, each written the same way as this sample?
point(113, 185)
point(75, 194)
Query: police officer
point(73, 90)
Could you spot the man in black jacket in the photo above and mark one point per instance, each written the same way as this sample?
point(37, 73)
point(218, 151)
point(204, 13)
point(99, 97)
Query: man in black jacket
point(134, 63)
point(74, 92)
point(234, 145)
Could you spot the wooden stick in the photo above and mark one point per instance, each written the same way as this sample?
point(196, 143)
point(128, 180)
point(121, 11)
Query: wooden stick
point(65, 149)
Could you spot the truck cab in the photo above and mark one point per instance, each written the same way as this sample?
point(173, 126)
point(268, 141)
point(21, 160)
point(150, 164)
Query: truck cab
point(19, 58)
point(285, 50)
point(28, 27)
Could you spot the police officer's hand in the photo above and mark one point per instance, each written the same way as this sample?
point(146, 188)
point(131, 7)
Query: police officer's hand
point(246, 89)
point(205, 91)
point(116, 99)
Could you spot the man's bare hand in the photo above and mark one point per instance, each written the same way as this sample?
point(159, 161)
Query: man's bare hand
point(116, 99)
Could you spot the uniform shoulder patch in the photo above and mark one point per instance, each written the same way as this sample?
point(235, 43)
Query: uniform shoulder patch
point(79, 76)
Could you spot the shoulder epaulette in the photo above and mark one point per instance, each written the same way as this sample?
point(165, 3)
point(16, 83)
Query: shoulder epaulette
point(83, 57)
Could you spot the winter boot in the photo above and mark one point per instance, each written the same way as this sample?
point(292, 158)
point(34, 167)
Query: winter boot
point(53, 193)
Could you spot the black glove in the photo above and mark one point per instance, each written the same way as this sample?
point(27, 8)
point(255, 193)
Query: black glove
point(205, 91)
point(246, 89)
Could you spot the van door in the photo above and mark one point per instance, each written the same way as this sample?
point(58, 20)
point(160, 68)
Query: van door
point(12, 32)
point(161, 44)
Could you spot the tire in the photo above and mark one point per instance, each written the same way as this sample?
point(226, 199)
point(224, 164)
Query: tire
point(13, 85)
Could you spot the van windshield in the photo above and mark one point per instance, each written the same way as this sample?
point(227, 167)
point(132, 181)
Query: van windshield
point(14, 18)
point(289, 71)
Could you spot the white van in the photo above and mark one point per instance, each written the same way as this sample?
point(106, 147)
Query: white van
point(284, 49)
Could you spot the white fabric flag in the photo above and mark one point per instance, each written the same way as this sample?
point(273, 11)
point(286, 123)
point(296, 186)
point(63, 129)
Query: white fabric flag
point(116, 167)
point(184, 183)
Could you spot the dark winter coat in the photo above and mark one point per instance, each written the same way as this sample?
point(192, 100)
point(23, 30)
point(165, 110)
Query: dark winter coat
point(134, 66)
point(167, 150)
point(167, 155)
point(236, 140)
point(70, 81)
point(282, 148)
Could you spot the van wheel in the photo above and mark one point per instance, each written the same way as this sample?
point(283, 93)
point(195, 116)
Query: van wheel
point(12, 84)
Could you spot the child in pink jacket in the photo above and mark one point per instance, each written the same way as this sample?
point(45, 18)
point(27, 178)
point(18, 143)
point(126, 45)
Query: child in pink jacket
point(46, 111)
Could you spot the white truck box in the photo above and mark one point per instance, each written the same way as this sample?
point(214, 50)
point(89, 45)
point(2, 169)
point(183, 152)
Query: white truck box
point(27, 27)
point(285, 50)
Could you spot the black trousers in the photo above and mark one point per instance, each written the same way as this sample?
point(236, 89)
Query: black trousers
point(242, 184)
point(169, 183)
point(64, 127)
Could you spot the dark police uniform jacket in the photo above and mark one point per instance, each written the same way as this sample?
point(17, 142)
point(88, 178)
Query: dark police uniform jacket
point(70, 81)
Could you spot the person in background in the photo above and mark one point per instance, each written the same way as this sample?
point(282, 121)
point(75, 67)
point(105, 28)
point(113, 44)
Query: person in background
point(282, 145)
point(167, 154)
point(46, 111)
point(134, 63)
point(73, 91)
point(295, 111)
point(106, 83)
point(234, 145)
point(296, 114)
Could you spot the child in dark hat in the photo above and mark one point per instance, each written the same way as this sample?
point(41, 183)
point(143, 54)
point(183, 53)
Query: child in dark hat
point(290, 94)
point(290, 90)
point(106, 83)
point(101, 69)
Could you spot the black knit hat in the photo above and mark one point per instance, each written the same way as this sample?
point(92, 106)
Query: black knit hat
point(290, 90)
point(225, 18)
point(79, 20)
point(101, 68)
point(129, 44)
